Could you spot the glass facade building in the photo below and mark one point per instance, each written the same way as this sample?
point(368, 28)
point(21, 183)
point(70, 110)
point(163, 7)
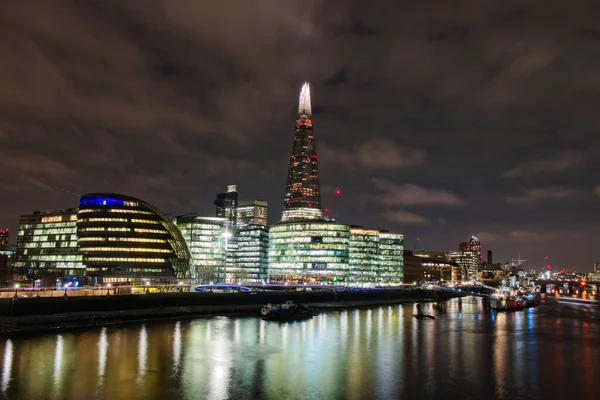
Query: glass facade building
point(302, 199)
point(251, 213)
point(206, 238)
point(364, 256)
point(4, 236)
point(124, 239)
point(47, 244)
point(309, 251)
point(249, 256)
point(376, 257)
point(391, 256)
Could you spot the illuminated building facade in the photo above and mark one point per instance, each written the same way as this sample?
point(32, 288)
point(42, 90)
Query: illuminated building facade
point(375, 257)
point(468, 261)
point(251, 213)
point(302, 199)
point(391, 257)
point(47, 244)
point(249, 255)
point(4, 236)
point(309, 251)
point(473, 244)
point(206, 238)
point(227, 204)
point(124, 239)
point(437, 266)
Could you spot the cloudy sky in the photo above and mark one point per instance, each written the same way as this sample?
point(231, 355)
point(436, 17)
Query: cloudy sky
point(435, 120)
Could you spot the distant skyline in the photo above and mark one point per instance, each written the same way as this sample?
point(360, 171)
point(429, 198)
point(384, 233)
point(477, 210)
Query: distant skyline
point(440, 125)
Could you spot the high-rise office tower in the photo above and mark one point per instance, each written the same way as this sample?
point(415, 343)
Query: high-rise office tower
point(474, 245)
point(302, 198)
point(489, 257)
point(227, 204)
point(3, 236)
point(252, 212)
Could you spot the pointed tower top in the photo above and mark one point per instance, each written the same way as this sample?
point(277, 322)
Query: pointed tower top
point(304, 105)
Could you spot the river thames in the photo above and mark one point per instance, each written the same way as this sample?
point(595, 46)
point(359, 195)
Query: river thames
point(551, 352)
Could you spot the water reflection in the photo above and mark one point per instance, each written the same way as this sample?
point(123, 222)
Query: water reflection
point(58, 362)
point(176, 347)
point(142, 353)
point(102, 355)
point(377, 353)
point(7, 364)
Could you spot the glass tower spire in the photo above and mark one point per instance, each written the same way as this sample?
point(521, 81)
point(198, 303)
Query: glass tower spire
point(302, 198)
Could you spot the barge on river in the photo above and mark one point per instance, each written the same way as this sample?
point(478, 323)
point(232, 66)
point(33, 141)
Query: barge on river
point(288, 311)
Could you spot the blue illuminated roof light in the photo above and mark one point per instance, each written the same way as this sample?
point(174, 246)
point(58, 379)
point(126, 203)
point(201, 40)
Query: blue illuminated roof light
point(100, 201)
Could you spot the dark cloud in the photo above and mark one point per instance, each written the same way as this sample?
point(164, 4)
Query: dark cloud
point(170, 100)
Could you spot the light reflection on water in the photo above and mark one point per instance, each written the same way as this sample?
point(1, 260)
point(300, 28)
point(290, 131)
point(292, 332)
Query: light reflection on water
point(379, 353)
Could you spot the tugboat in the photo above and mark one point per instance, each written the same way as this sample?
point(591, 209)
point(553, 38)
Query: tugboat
point(288, 311)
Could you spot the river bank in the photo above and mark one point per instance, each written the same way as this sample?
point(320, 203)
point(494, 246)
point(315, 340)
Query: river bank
point(48, 314)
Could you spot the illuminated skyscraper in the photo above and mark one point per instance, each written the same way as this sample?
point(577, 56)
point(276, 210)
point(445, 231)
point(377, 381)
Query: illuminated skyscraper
point(302, 198)
point(4, 236)
point(473, 244)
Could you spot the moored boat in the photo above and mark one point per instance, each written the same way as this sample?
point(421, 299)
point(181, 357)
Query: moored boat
point(287, 311)
point(513, 298)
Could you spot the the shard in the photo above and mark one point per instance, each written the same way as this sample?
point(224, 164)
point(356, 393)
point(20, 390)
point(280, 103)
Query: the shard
point(302, 198)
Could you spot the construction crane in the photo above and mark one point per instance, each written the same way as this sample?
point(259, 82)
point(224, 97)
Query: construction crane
point(416, 243)
point(328, 211)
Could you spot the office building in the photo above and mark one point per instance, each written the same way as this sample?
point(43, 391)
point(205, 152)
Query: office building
point(364, 256)
point(436, 266)
point(468, 260)
point(252, 212)
point(473, 244)
point(309, 251)
point(4, 236)
point(124, 239)
point(489, 257)
point(597, 267)
point(248, 257)
point(227, 204)
point(207, 238)
point(391, 258)
point(47, 245)
point(302, 199)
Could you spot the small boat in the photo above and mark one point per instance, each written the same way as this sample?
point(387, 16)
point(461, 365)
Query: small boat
point(287, 311)
point(423, 316)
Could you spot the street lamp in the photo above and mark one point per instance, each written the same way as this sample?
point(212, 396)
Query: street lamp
point(147, 287)
point(180, 286)
point(108, 289)
point(16, 288)
point(227, 235)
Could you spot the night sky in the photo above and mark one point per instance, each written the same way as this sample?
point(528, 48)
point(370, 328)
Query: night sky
point(435, 120)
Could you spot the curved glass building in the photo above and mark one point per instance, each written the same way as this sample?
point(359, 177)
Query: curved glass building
point(309, 251)
point(124, 239)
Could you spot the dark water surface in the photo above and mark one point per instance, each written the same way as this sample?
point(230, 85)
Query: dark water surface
point(551, 352)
